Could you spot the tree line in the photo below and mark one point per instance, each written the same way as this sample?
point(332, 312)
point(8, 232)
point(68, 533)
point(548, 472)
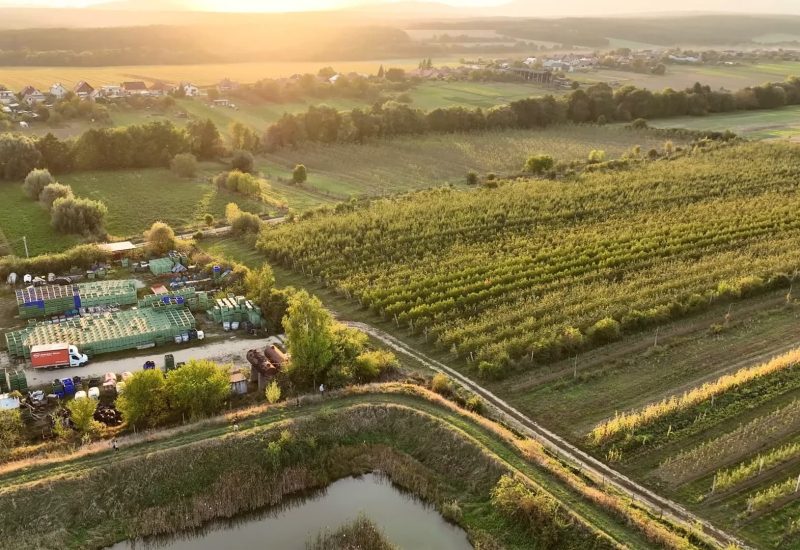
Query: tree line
point(150, 145)
point(598, 103)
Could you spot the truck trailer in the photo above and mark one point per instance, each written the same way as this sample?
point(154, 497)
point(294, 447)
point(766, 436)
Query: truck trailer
point(53, 356)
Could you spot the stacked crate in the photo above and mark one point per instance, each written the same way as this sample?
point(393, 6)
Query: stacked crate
point(107, 332)
point(108, 293)
point(235, 310)
point(47, 300)
point(186, 295)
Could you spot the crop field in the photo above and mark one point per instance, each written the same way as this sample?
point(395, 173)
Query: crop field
point(768, 124)
point(419, 162)
point(610, 252)
point(200, 75)
point(705, 411)
point(431, 95)
point(684, 76)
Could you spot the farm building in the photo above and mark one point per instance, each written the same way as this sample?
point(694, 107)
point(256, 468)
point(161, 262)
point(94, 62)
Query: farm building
point(56, 299)
point(83, 89)
point(117, 250)
point(136, 87)
point(106, 332)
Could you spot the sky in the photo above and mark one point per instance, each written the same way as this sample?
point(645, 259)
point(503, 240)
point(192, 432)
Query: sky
point(530, 7)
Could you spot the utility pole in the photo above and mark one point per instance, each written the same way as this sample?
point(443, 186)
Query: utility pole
point(25, 242)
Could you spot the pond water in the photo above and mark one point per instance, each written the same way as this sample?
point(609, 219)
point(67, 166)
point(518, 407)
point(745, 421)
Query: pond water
point(406, 521)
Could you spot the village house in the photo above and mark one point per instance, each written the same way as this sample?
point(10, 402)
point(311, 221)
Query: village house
point(31, 96)
point(189, 89)
point(111, 91)
point(161, 88)
point(7, 97)
point(136, 87)
point(227, 85)
point(84, 90)
point(58, 90)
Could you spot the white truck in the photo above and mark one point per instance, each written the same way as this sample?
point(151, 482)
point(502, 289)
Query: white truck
point(53, 356)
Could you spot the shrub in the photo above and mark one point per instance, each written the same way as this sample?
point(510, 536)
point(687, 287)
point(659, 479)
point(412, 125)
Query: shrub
point(273, 393)
point(476, 404)
point(442, 384)
point(538, 164)
point(11, 427)
point(184, 165)
point(54, 191)
point(144, 401)
point(604, 331)
point(639, 124)
point(242, 161)
point(472, 178)
point(160, 238)
point(208, 219)
point(246, 223)
point(81, 413)
point(82, 216)
point(82, 256)
point(299, 174)
point(35, 181)
point(490, 370)
point(596, 155)
point(197, 235)
point(199, 388)
point(372, 364)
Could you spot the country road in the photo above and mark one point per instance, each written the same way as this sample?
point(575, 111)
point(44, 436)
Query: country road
point(601, 472)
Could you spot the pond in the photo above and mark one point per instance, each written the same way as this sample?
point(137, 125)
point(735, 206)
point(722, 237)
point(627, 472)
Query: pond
point(407, 522)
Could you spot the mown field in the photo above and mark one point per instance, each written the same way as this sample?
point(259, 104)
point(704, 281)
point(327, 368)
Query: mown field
point(134, 198)
point(770, 124)
point(419, 162)
point(516, 277)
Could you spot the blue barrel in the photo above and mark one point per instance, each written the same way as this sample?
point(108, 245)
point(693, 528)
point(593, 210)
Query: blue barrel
point(179, 299)
point(165, 299)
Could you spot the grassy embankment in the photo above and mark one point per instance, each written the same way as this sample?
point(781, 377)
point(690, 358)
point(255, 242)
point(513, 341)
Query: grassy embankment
point(439, 453)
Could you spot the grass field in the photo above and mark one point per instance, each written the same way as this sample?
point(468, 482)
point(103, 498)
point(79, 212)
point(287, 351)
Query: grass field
point(431, 95)
point(20, 217)
point(403, 164)
point(767, 124)
point(201, 75)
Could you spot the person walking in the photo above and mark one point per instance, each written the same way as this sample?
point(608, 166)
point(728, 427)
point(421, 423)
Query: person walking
point(322, 390)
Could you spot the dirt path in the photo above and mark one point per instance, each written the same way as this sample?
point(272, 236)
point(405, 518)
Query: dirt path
point(563, 449)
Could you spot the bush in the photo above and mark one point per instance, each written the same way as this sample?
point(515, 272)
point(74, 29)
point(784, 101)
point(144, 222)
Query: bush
point(208, 219)
point(442, 384)
point(490, 370)
point(539, 164)
point(476, 404)
point(472, 178)
point(83, 256)
point(197, 235)
point(273, 393)
point(299, 174)
point(54, 191)
point(160, 238)
point(82, 216)
point(596, 156)
point(246, 223)
point(144, 402)
point(242, 161)
point(199, 388)
point(35, 181)
point(370, 365)
point(184, 165)
point(604, 331)
point(639, 124)
point(81, 412)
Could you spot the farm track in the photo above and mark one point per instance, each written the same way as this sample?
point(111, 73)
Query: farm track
point(562, 448)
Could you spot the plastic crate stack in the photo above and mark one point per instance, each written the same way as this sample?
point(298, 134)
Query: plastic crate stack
point(47, 300)
point(107, 293)
point(184, 296)
point(107, 332)
point(13, 379)
point(235, 310)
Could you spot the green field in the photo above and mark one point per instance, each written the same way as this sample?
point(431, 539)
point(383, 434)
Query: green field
point(766, 124)
point(408, 163)
point(431, 95)
point(22, 217)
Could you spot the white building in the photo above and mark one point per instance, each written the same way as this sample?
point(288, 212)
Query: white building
point(190, 90)
point(7, 97)
point(58, 90)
